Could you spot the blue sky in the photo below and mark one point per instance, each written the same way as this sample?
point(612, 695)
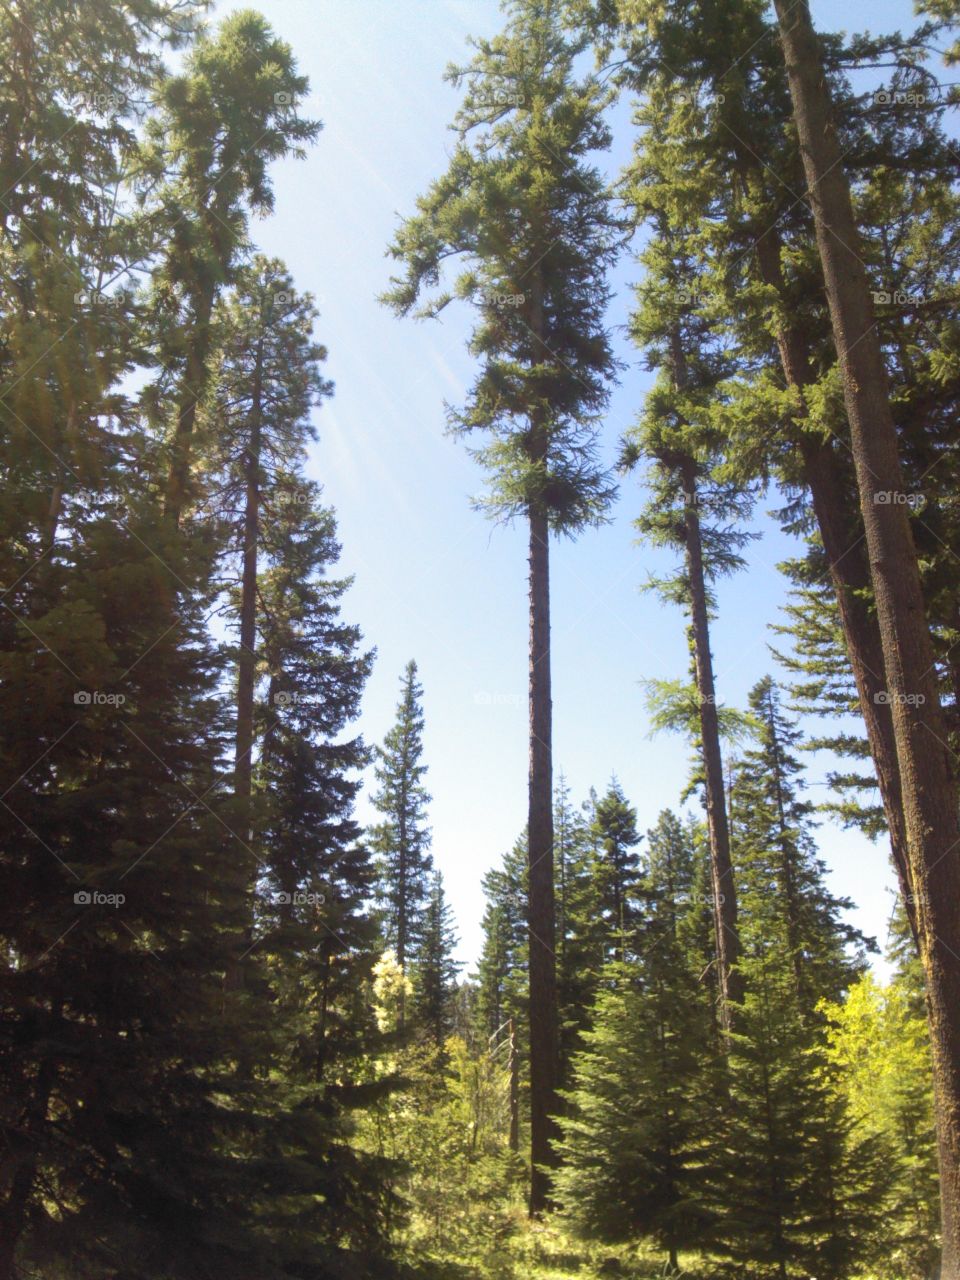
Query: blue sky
point(434, 580)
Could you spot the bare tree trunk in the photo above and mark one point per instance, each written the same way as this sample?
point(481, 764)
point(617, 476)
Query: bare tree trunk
point(514, 1089)
point(544, 1039)
point(927, 783)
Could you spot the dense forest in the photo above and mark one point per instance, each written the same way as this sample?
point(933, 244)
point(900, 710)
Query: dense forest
point(236, 1041)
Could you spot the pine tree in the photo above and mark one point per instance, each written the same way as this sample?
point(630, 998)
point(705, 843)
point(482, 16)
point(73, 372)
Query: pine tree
point(693, 510)
point(221, 121)
point(581, 935)
point(777, 854)
point(435, 984)
point(614, 833)
point(529, 216)
point(805, 1192)
point(402, 841)
point(636, 1141)
point(502, 970)
point(315, 938)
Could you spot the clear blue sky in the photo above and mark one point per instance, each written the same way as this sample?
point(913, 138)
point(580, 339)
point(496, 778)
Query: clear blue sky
point(434, 580)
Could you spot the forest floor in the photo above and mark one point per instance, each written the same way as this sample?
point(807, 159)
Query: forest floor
point(544, 1251)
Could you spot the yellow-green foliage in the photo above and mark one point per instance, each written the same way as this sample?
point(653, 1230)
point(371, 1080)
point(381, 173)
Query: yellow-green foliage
point(877, 1040)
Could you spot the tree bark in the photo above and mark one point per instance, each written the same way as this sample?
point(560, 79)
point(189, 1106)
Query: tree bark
point(928, 785)
point(544, 1038)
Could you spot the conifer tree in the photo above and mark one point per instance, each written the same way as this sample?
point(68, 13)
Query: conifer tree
point(776, 852)
point(637, 1138)
point(435, 983)
point(615, 867)
point(696, 513)
point(229, 113)
point(254, 431)
point(502, 969)
point(806, 1191)
point(528, 215)
point(315, 938)
point(402, 841)
point(581, 936)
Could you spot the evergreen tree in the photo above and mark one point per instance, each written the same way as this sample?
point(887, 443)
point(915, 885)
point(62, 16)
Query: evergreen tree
point(315, 938)
point(637, 1139)
point(777, 854)
point(523, 208)
point(220, 122)
point(255, 429)
point(502, 969)
point(581, 936)
point(402, 841)
point(805, 1192)
point(435, 985)
point(614, 836)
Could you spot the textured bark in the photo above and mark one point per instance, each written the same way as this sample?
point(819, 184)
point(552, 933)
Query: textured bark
point(928, 786)
point(727, 937)
point(544, 1036)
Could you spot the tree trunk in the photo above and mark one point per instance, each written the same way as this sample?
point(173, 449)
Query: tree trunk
point(544, 1039)
point(788, 887)
point(247, 660)
point(927, 783)
point(514, 1089)
point(721, 867)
